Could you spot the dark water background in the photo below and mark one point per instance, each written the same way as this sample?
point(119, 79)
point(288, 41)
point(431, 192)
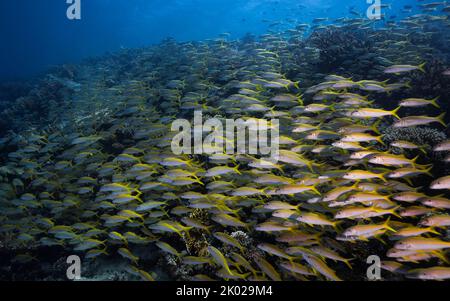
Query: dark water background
point(36, 34)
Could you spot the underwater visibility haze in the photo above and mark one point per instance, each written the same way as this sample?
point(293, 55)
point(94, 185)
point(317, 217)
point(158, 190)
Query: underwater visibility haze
point(351, 96)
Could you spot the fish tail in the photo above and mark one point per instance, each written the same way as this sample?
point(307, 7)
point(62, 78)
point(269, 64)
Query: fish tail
point(434, 102)
point(409, 181)
point(279, 168)
point(313, 188)
point(166, 213)
point(441, 120)
point(207, 229)
point(380, 139)
point(300, 98)
point(423, 150)
point(333, 107)
point(188, 236)
point(440, 255)
point(394, 112)
point(374, 126)
point(415, 159)
point(428, 171)
point(243, 276)
point(421, 67)
point(236, 169)
point(190, 163)
point(432, 230)
point(378, 237)
point(336, 226)
point(264, 193)
point(347, 262)
point(394, 213)
point(386, 225)
point(272, 109)
point(354, 186)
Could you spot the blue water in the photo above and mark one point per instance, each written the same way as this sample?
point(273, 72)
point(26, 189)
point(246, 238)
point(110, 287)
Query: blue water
point(36, 34)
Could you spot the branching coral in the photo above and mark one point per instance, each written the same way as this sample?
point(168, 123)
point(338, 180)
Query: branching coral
point(196, 243)
point(425, 137)
point(340, 48)
point(36, 109)
point(431, 83)
point(419, 135)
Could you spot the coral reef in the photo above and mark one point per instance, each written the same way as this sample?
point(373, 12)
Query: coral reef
point(86, 165)
point(342, 49)
point(431, 84)
point(423, 136)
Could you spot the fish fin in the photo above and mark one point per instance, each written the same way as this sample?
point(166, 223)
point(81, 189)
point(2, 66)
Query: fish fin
point(394, 112)
point(440, 255)
point(421, 67)
point(300, 98)
point(207, 229)
point(236, 169)
point(378, 237)
point(434, 102)
point(336, 226)
point(272, 109)
point(386, 225)
point(347, 262)
point(383, 176)
point(441, 120)
point(431, 230)
point(363, 238)
point(313, 188)
point(380, 139)
point(355, 186)
point(409, 181)
point(428, 171)
point(374, 126)
point(394, 213)
point(332, 107)
point(279, 168)
point(423, 150)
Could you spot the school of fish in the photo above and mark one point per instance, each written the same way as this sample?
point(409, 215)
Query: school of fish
point(106, 183)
